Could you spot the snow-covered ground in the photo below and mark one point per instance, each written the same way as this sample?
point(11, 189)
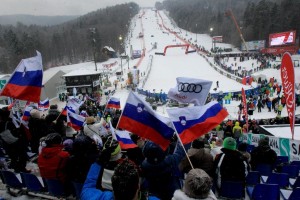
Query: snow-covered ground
point(175, 63)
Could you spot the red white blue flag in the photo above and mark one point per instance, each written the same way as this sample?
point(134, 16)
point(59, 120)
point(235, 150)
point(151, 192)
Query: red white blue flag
point(26, 114)
point(44, 105)
point(193, 122)
point(125, 140)
point(75, 121)
point(26, 81)
point(73, 105)
point(139, 118)
point(113, 103)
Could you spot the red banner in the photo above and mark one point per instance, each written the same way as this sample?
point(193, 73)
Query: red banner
point(217, 38)
point(244, 102)
point(288, 85)
point(280, 50)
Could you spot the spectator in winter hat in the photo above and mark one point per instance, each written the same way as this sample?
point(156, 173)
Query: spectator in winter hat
point(263, 154)
point(197, 185)
point(230, 165)
point(34, 113)
point(53, 159)
point(200, 158)
point(83, 155)
point(92, 130)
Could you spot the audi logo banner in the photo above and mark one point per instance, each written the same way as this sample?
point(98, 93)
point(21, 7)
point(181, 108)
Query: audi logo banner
point(190, 90)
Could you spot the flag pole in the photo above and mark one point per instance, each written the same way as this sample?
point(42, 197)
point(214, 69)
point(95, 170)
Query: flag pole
point(60, 114)
point(122, 110)
point(187, 156)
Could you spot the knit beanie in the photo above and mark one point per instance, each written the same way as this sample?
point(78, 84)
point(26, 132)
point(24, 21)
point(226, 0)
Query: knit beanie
point(197, 184)
point(264, 141)
point(35, 113)
point(229, 143)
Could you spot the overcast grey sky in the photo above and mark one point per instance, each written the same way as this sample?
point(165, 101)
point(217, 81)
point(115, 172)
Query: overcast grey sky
point(61, 7)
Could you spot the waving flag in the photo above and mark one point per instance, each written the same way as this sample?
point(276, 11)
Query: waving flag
point(139, 118)
point(26, 81)
point(125, 140)
point(113, 103)
point(190, 90)
point(193, 122)
point(75, 121)
point(26, 114)
point(43, 105)
point(288, 84)
point(73, 105)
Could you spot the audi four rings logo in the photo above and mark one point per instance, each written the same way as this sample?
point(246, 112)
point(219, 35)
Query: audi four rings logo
point(189, 87)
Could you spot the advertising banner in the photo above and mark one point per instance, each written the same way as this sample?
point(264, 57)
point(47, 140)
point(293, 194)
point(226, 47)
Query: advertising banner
point(254, 45)
point(288, 85)
point(283, 38)
point(217, 39)
point(280, 50)
point(282, 146)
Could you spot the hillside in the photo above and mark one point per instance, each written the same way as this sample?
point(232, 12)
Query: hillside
point(34, 20)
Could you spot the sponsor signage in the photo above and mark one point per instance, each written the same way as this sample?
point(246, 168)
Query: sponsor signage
point(217, 38)
point(282, 146)
point(283, 38)
point(254, 45)
point(280, 50)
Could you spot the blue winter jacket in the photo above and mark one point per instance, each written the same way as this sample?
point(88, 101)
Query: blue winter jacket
point(89, 190)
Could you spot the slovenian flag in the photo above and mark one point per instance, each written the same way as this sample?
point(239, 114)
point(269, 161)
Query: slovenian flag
point(73, 106)
point(122, 137)
point(26, 81)
point(26, 114)
point(139, 118)
point(113, 103)
point(75, 121)
point(44, 105)
point(193, 122)
point(125, 140)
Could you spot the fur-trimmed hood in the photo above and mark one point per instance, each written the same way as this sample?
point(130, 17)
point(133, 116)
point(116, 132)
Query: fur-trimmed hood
point(180, 195)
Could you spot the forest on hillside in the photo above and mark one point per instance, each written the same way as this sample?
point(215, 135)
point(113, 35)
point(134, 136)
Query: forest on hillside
point(256, 18)
point(68, 43)
point(82, 39)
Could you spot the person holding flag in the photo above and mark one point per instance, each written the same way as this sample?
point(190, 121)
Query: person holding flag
point(14, 142)
point(26, 81)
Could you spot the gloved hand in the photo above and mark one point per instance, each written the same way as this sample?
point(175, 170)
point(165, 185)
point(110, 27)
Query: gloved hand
point(104, 156)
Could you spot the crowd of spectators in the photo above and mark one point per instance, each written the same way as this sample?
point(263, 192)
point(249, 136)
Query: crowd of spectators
point(95, 159)
point(237, 67)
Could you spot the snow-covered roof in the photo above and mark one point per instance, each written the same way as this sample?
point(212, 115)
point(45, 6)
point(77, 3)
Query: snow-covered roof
point(82, 72)
point(4, 75)
point(283, 131)
point(109, 48)
point(48, 74)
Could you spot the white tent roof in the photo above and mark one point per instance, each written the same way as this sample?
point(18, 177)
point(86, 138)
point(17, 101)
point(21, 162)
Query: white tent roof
point(81, 72)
